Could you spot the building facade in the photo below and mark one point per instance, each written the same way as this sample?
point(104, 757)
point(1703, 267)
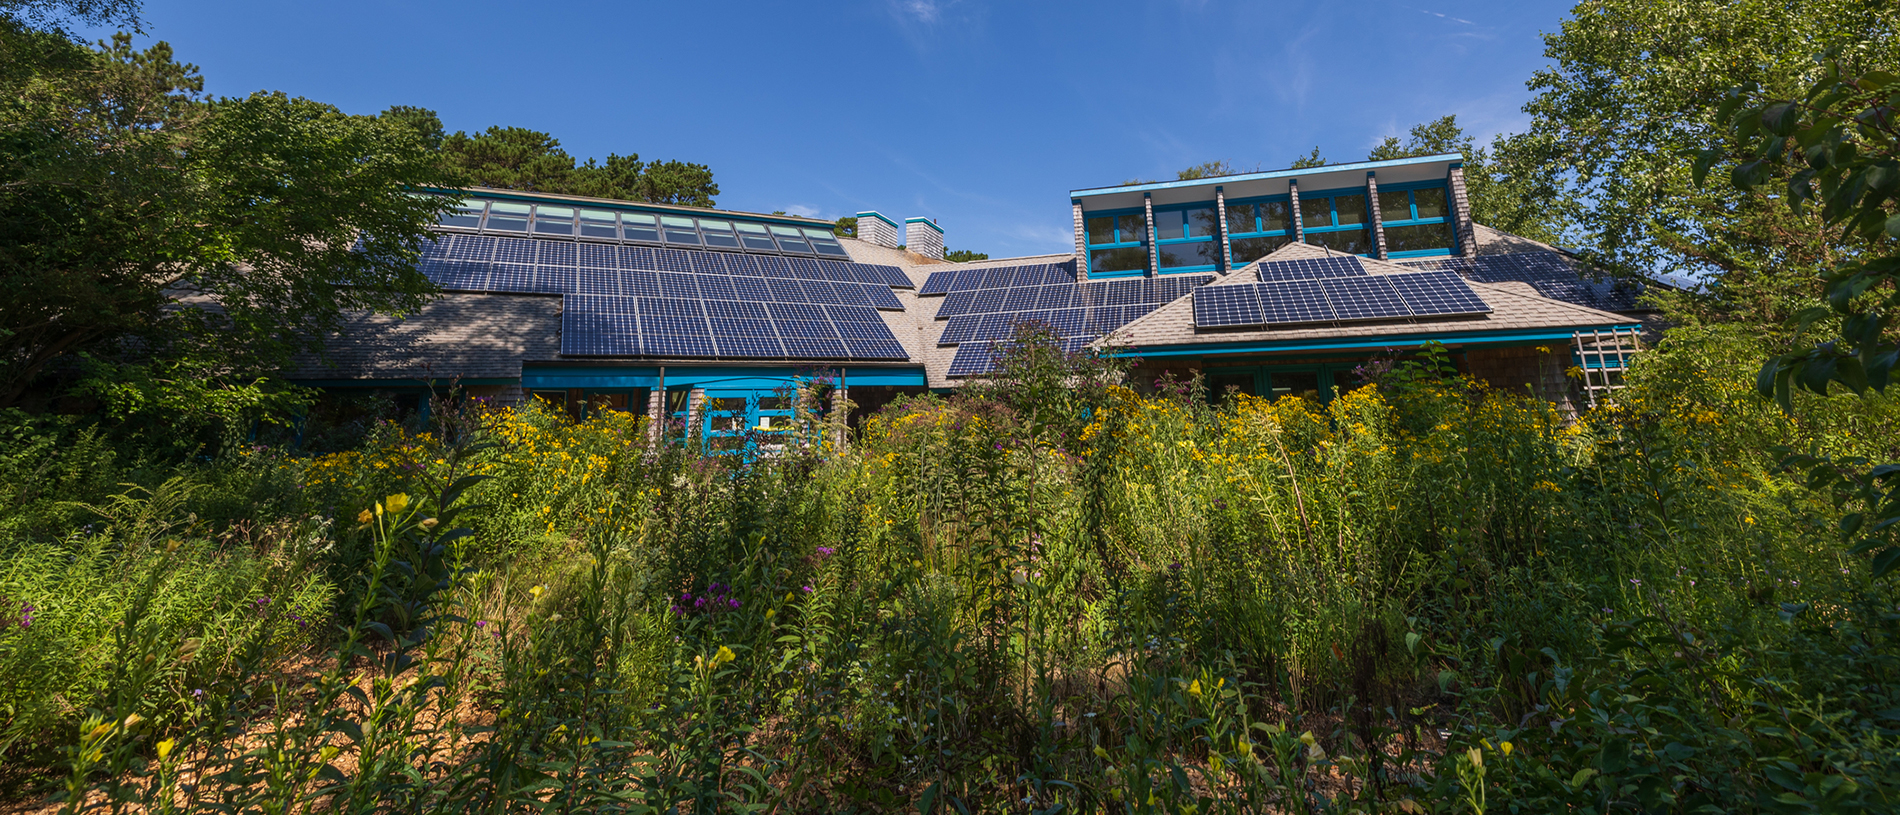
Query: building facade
point(1275, 283)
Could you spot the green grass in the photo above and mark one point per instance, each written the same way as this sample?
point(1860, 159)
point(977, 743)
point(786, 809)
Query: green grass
point(1051, 595)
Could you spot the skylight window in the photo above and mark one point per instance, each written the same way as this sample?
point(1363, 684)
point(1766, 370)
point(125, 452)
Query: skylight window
point(1336, 221)
point(718, 233)
point(1255, 230)
point(553, 220)
point(507, 217)
point(1416, 220)
point(679, 230)
point(597, 223)
point(466, 215)
point(1186, 240)
point(639, 226)
point(825, 243)
point(789, 239)
point(1118, 244)
point(756, 238)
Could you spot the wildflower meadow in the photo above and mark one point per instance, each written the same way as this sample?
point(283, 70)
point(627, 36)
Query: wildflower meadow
point(1063, 591)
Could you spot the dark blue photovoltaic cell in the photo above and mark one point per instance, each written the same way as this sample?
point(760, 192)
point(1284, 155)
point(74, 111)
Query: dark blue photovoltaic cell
point(937, 283)
point(716, 287)
point(1294, 301)
point(472, 247)
point(459, 275)
point(774, 266)
point(740, 327)
point(708, 262)
point(1054, 297)
point(1437, 293)
point(673, 260)
point(1021, 299)
point(967, 279)
point(994, 327)
point(676, 345)
point(674, 284)
point(838, 270)
point(597, 333)
point(638, 257)
point(1364, 298)
point(960, 329)
point(882, 297)
point(896, 278)
point(785, 290)
point(1124, 292)
point(511, 277)
point(1227, 306)
point(854, 314)
point(876, 348)
point(1069, 322)
point(1311, 268)
point(818, 291)
point(732, 309)
point(973, 359)
point(751, 288)
point(956, 303)
point(795, 311)
point(855, 294)
point(810, 329)
point(599, 256)
point(742, 265)
point(986, 301)
point(815, 347)
point(747, 345)
point(640, 282)
point(1553, 275)
point(514, 250)
point(1027, 276)
point(556, 253)
point(665, 325)
point(669, 307)
point(554, 279)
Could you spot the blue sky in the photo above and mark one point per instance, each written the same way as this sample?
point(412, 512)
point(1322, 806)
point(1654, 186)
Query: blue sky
point(982, 115)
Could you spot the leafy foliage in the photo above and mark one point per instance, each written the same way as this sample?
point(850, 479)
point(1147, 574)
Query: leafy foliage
point(516, 158)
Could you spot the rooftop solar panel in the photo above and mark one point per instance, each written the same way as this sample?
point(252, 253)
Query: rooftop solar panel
point(511, 277)
point(960, 329)
point(1055, 296)
point(669, 307)
point(839, 270)
point(1123, 292)
point(1311, 268)
point(1437, 293)
point(987, 301)
point(459, 275)
point(807, 269)
point(796, 311)
point(751, 288)
point(854, 314)
point(937, 283)
point(554, 279)
point(1020, 299)
point(1069, 322)
point(673, 260)
point(514, 250)
point(1027, 276)
point(956, 303)
point(599, 256)
point(708, 262)
point(809, 329)
point(895, 277)
point(882, 297)
point(854, 294)
point(967, 279)
point(994, 327)
point(676, 345)
point(880, 348)
point(747, 345)
point(1364, 298)
point(818, 291)
point(472, 247)
point(674, 284)
point(742, 265)
point(785, 290)
point(637, 257)
point(814, 347)
point(1293, 301)
point(1227, 306)
point(732, 309)
point(973, 359)
point(716, 287)
point(557, 253)
point(639, 282)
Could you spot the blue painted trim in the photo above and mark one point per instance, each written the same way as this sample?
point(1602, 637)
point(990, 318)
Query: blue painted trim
point(759, 378)
point(880, 216)
point(1289, 173)
point(1387, 341)
point(1420, 253)
point(624, 206)
point(1189, 269)
point(925, 221)
point(1112, 275)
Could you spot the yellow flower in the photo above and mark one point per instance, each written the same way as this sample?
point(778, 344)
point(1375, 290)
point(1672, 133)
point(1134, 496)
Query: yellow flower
point(396, 503)
point(724, 656)
point(165, 749)
point(1505, 746)
point(1195, 689)
point(364, 517)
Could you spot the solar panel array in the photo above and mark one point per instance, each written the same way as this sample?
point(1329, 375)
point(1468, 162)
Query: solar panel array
point(1550, 273)
point(1336, 299)
point(998, 277)
point(623, 300)
point(1312, 268)
point(980, 357)
point(1081, 311)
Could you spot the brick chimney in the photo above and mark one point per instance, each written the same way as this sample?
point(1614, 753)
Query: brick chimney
point(874, 228)
point(923, 236)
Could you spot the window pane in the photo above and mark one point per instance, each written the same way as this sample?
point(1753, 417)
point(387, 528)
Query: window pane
point(1418, 238)
point(1130, 228)
point(1101, 230)
point(1201, 223)
point(1431, 202)
point(466, 214)
point(1168, 226)
point(597, 224)
point(1395, 206)
point(1316, 211)
point(554, 220)
point(1302, 385)
point(1348, 241)
point(789, 239)
point(638, 227)
point(679, 230)
point(1240, 219)
point(1248, 250)
point(1350, 209)
point(755, 237)
point(1118, 260)
point(1178, 255)
point(775, 403)
point(1273, 217)
point(508, 217)
point(825, 243)
point(718, 233)
point(1220, 386)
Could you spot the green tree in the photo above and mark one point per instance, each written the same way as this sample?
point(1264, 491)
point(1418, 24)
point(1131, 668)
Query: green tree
point(517, 158)
point(140, 220)
point(1632, 90)
point(1209, 169)
point(1507, 191)
point(1312, 159)
point(963, 255)
point(846, 227)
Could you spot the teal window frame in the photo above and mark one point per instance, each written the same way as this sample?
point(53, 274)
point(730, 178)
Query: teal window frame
point(1411, 196)
point(1256, 222)
point(1119, 241)
point(1331, 197)
point(1324, 373)
point(1182, 237)
point(716, 425)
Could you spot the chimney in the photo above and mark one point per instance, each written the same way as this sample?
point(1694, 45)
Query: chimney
point(874, 228)
point(923, 236)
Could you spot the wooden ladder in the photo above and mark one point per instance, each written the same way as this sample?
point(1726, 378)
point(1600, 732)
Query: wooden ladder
point(1604, 357)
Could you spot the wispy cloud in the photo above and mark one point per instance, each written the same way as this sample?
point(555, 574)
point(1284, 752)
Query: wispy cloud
point(802, 211)
point(923, 11)
point(1444, 16)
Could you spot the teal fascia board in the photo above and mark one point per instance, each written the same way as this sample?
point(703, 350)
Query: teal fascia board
point(1394, 341)
point(1231, 179)
point(926, 222)
point(398, 383)
point(880, 216)
point(755, 378)
point(629, 206)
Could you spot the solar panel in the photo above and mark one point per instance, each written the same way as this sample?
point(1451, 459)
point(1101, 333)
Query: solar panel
point(838, 270)
point(598, 281)
point(785, 290)
point(987, 301)
point(1027, 276)
point(774, 266)
point(960, 329)
point(879, 348)
point(999, 277)
point(751, 288)
point(598, 255)
point(1311, 268)
point(937, 283)
point(1550, 273)
point(637, 257)
point(589, 333)
point(807, 269)
point(1364, 298)
point(1293, 301)
point(742, 265)
point(1020, 299)
point(1226, 306)
point(1123, 292)
point(967, 279)
point(1437, 293)
point(514, 250)
point(741, 327)
point(708, 263)
point(895, 277)
point(994, 327)
point(972, 359)
point(1069, 322)
point(795, 311)
point(1055, 296)
point(882, 297)
point(716, 287)
point(556, 253)
point(855, 294)
point(674, 284)
point(956, 303)
point(673, 260)
point(747, 345)
point(463, 275)
point(854, 314)
point(818, 291)
point(731, 309)
point(675, 345)
point(807, 329)
point(640, 282)
point(511, 277)
point(472, 247)
point(669, 307)
point(814, 347)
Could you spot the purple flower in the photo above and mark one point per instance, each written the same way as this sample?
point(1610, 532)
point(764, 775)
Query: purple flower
point(825, 552)
point(198, 693)
point(480, 623)
point(807, 589)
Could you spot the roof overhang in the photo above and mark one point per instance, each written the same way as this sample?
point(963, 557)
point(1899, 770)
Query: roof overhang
point(1276, 182)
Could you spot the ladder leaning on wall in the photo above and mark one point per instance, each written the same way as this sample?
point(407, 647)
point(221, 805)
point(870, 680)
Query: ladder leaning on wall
point(1604, 357)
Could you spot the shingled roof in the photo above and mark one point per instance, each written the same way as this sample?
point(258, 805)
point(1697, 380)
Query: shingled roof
point(471, 336)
